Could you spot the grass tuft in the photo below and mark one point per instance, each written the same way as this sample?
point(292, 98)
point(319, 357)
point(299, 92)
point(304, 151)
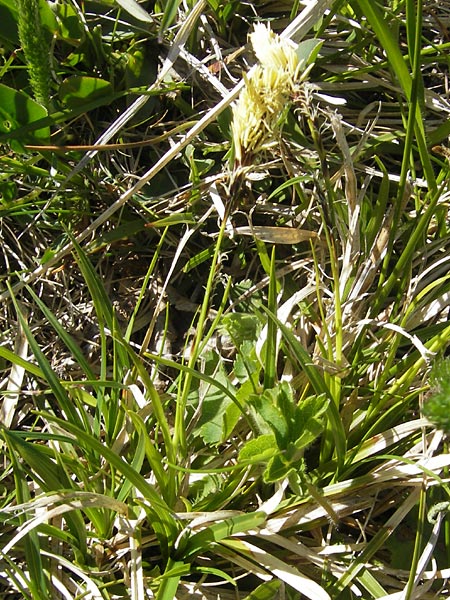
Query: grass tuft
point(224, 303)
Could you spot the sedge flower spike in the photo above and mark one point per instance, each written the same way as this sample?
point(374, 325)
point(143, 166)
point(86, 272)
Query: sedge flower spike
point(261, 104)
point(272, 51)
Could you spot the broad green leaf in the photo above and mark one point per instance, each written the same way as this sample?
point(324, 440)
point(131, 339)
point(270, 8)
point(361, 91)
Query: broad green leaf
point(135, 10)
point(307, 51)
point(214, 405)
point(266, 408)
point(279, 467)
point(317, 381)
point(259, 450)
point(17, 110)
point(70, 26)
point(78, 90)
point(48, 19)
point(8, 23)
point(307, 420)
point(266, 591)
point(240, 326)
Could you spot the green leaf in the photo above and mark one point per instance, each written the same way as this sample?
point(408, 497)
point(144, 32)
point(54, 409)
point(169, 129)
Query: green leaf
point(78, 90)
point(307, 51)
point(8, 23)
point(437, 407)
point(17, 110)
point(279, 467)
point(135, 10)
point(266, 591)
point(259, 450)
point(240, 327)
point(265, 407)
point(199, 542)
point(70, 26)
point(211, 424)
point(307, 419)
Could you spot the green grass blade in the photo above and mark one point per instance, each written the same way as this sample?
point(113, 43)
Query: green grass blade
point(37, 581)
point(62, 334)
point(163, 519)
point(398, 65)
point(13, 358)
point(50, 476)
point(58, 390)
point(271, 339)
point(200, 542)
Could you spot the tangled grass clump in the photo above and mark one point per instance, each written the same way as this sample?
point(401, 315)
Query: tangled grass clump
point(217, 330)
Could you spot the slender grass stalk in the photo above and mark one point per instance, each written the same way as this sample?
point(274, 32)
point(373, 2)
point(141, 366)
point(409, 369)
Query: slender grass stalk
point(271, 340)
point(414, 26)
point(179, 437)
point(35, 49)
point(418, 542)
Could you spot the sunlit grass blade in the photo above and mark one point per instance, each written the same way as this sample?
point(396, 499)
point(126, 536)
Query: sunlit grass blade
point(271, 338)
point(170, 11)
point(52, 380)
point(107, 408)
point(398, 64)
point(279, 569)
point(37, 582)
point(64, 336)
point(163, 520)
point(376, 542)
point(220, 530)
point(50, 476)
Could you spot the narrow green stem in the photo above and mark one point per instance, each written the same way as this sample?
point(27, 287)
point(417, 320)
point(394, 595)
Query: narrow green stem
point(417, 543)
point(179, 437)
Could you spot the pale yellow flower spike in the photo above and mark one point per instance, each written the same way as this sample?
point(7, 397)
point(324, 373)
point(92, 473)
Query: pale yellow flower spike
point(274, 52)
point(257, 112)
